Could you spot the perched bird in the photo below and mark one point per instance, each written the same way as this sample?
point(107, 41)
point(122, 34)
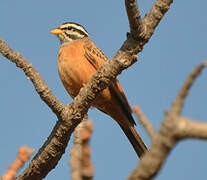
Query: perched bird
point(78, 60)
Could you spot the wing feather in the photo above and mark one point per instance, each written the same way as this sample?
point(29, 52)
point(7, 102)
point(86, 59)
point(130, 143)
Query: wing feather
point(92, 53)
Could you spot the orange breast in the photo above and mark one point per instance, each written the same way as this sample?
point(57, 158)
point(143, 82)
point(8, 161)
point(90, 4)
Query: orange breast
point(73, 67)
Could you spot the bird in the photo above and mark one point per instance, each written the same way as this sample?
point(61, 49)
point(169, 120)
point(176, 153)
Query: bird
point(78, 59)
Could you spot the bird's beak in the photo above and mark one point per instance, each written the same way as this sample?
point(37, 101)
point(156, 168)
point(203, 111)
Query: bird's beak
point(56, 31)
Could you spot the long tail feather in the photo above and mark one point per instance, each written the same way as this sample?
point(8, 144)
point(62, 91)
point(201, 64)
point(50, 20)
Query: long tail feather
point(135, 140)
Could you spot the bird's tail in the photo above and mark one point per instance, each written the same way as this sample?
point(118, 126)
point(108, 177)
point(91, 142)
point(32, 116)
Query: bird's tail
point(135, 140)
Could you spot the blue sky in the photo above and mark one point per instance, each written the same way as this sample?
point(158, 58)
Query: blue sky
point(177, 46)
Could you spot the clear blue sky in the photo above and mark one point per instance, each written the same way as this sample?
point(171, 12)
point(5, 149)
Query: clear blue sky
point(177, 46)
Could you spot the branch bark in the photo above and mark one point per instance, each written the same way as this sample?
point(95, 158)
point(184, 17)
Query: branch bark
point(173, 129)
point(80, 154)
point(135, 20)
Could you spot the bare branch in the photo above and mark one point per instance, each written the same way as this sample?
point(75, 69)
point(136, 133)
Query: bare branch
point(24, 154)
point(179, 101)
point(80, 162)
point(87, 167)
point(152, 161)
point(52, 150)
point(54, 147)
point(135, 21)
point(152, 19)
point(142, 118)
point(134, 43)
point(191, 129)
point(41, 87)
point(173, 129)
point(75, 154)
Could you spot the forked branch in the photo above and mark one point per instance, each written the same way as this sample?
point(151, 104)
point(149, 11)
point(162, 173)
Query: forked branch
point(173, 129)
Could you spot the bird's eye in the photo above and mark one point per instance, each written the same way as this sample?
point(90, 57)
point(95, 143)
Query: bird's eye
point(69, 28)
point(64, 28)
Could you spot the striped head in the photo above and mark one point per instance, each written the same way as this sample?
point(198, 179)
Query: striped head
point(69, 32)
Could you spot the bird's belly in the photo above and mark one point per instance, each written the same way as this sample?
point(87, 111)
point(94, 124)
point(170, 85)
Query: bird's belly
point(74, 75)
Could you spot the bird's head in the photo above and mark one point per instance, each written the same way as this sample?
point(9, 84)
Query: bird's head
point(69, 32)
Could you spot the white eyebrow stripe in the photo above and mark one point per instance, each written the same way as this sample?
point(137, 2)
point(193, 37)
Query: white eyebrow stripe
point(75, 26)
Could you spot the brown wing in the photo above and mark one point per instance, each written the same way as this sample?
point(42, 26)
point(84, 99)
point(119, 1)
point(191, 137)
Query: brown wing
point(92, 53)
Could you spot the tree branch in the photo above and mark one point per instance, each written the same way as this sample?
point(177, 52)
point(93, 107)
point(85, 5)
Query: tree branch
point(41, 87)
point(80, 162)
point(144, 121)
point(145, 28)
point(173, 129)
point(152, 19)
point(177, 105)
point(135, 20)
point(191, 129)
point(24, 154)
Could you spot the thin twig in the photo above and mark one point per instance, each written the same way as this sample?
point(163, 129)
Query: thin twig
point(24, 154)
point(177, 105)
point(144, 121)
